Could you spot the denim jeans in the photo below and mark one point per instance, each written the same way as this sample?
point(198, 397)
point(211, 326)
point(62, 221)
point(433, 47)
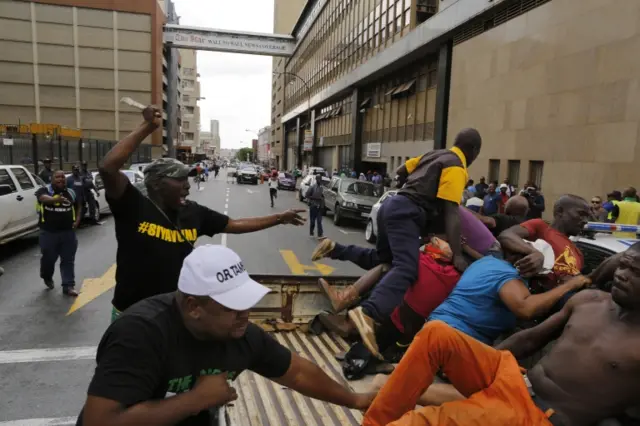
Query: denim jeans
point(62, 244)
point(315, 216)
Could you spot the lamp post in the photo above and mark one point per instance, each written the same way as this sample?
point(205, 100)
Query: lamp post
point(306, 85)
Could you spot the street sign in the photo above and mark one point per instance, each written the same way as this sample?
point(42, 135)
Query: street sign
point(308, 141)
point(374, 150)
point(7, 142)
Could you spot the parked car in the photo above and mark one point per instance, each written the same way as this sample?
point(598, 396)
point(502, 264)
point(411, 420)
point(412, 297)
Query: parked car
point(371, 231)
point(247, 174)
point(306, 182)
point(139, 166)
point(316, 171)
point(134, 176)
point(349, 198)
point(286, 181)
point(18, 216)
point(102, 207)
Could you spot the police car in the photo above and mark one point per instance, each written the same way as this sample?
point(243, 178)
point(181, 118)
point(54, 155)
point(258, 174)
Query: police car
point(597, 242)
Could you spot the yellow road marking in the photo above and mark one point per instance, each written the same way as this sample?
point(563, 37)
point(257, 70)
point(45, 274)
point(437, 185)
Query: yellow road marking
point(298, 268)
point(94, 287)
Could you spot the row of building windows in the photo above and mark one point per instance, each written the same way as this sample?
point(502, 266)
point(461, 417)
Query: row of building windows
point(513, 172)
point(346, 33)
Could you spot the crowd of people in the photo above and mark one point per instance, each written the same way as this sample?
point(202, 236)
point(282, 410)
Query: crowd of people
point(449, 302)
point(445, 287)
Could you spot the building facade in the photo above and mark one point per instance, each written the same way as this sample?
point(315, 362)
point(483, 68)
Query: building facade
point(171, 83)
point(215, 135)
point(264, 146)
point(190, 130)
point(375, 82)
point(68, 62)
point(285, 16)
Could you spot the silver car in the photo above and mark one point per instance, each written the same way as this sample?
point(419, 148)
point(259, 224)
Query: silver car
point(350, 198)
point(371, 232)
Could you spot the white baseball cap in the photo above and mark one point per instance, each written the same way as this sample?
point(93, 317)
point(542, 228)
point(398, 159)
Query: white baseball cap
point(217, 271)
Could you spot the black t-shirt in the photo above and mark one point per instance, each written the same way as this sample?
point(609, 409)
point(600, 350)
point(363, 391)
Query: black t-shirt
point(150, 249)
point(148, 354)
point(46, 175)
point(504, 221)
point(56, 217)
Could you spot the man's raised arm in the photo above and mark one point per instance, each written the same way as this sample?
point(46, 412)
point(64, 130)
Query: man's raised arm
point(115, 182)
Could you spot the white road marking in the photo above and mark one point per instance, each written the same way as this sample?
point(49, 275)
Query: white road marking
point(59, 421)
point(223, 240)
point(226, 206)
point(47, 354)
point(344, 232)
point(249, 191)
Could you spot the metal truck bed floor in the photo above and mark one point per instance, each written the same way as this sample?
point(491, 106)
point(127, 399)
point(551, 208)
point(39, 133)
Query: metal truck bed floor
point(264, 403)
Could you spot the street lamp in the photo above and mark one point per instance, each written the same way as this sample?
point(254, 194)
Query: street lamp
point(306, 85)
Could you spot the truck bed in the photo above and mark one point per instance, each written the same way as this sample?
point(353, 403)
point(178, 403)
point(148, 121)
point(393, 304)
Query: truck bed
point(284, 312)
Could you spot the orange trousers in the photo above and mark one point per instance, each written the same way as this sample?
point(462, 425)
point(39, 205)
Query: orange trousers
point(490, 379)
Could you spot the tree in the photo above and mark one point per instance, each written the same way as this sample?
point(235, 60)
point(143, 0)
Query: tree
point(245, 154)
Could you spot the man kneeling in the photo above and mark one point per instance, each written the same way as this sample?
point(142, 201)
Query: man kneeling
point(167, 359)
point(588, 376)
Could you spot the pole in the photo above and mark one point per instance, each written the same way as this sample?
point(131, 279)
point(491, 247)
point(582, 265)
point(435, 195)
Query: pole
point(172, 101)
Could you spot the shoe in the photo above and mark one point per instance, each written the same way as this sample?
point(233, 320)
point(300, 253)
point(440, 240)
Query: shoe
point(49, 284)
point(341, 325)
point(71, 292)
point(323, 249)
point(340, 299)
point(366, 328)
point(320, 238)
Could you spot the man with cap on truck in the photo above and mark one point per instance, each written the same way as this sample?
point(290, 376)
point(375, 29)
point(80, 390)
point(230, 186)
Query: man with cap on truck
point(46, 173)
point(169, 359)
point(156, 232)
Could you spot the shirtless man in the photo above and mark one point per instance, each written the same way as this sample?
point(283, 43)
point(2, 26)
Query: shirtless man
point(591, 374)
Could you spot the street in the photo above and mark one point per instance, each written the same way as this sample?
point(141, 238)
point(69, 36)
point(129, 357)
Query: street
point(48, 341)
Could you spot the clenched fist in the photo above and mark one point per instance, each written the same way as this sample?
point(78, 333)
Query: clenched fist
point(214, 391)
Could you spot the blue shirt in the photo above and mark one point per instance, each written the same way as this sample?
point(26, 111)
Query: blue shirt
point(490, 205)
point(474, 306)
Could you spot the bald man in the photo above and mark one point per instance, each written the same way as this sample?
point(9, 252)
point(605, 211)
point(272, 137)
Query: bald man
point(570, 215)
point(515, 213)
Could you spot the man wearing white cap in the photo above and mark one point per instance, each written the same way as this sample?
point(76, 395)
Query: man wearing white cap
point(167, 359)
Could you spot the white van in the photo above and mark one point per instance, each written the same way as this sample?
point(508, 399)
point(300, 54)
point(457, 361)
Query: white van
point(18, 216)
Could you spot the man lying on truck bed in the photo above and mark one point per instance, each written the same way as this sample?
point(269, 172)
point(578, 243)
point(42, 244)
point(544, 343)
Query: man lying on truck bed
point(167, 359)
point(589, 375)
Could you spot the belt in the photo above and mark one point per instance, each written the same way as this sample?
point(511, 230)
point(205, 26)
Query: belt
point(543, 405)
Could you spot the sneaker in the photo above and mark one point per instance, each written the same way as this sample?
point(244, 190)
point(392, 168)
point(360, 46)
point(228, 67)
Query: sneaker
point(366, 328)
point(70, 291)
point(49, 284)
point(323, 249)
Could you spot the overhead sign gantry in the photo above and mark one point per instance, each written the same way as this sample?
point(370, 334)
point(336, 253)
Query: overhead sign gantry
point(185, 37)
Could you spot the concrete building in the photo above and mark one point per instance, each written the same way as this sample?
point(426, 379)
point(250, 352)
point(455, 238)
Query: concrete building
point(554, 92)
point(190, 134)
point(215, 134)
point(171, 82)
point(264, 146)
point(285, 16)
point(228, 153)
point(69, 62)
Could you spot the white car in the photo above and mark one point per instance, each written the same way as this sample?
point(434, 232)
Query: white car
point(138, 166)
point(371, 231)
point(597, 242)
point(247, 174)
point(18, 215)
point(307, 181)
point(134, 176)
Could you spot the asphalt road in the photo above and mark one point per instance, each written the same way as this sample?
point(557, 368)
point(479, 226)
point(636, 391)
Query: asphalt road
point(47, 341)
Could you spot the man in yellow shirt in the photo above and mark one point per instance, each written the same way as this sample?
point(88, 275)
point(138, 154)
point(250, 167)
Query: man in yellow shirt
point(428, 202)
point(627, 212)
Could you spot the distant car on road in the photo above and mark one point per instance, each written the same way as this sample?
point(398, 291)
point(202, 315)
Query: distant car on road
point(286, 181)
point(349, 198)
point(247, 174)
point(371, 231)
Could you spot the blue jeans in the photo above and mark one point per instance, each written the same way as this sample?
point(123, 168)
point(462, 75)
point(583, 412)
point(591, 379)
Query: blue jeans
point(62, 244)
point(400, 225)
point(315, 216)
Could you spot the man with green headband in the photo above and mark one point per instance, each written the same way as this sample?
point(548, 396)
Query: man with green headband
point(156, 232)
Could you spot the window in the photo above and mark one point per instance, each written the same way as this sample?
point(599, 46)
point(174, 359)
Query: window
point(186, 98)
point(23, 178)
point(494, 170)
point(513, 172)
point(188, 71)
point(535, 172)
point(5, 179)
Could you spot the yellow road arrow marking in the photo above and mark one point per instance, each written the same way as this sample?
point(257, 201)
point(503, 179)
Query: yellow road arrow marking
point(94, 287)
point(298, 268)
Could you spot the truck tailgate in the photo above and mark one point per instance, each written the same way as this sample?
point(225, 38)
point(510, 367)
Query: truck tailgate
point(264, 403)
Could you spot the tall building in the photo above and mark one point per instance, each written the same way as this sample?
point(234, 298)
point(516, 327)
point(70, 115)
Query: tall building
point(171, 82)
point(68, 62)
point(215, 134)
point(264, 146)
point(372, 83)
point(285, 16)
point(190, 132)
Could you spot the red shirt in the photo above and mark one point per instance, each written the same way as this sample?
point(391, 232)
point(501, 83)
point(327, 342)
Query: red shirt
point(569, 260)
point(503, 198)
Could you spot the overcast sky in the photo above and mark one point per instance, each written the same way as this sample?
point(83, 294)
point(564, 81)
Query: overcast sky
point(237, 87)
